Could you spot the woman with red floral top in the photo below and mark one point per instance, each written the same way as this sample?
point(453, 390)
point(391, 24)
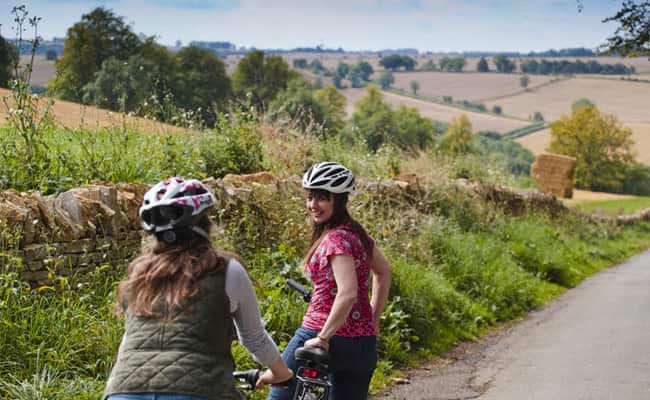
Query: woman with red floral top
point(342, 318)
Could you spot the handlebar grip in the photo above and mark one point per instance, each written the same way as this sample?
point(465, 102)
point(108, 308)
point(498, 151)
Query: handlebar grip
point(249, 377)
point(306, 294)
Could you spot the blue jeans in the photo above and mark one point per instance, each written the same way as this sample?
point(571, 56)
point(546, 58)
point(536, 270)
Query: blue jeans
point(352, 363)
point(152, 396)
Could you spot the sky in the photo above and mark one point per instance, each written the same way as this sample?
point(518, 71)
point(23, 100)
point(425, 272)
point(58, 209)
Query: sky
point(427, 25)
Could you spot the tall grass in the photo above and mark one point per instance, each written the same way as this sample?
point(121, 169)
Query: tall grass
point(460, 265)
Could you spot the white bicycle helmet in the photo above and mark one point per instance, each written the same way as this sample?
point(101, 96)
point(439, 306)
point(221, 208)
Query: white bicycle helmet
point(330, 176)
point(175, 204)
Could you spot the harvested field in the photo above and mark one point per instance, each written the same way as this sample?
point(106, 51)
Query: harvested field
point(480, 122)
point(627, 100)
point(42, 71)
point(466, 86)
point(74, 116)
point(537, 142)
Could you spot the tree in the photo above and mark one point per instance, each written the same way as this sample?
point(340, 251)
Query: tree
point(337, 81)
point(300, 63)
point(411, 131)
point(99, 36)
point(415, 86)
point(504, 64)
point(386, 79)
point(452, 64)
point(601, 145)
point(392, 62)
point(201, 82)
point(365, 70)
point(632, 36)
point(482, 65)
point(51, 55)
point(297, 102)
point(524, 80)
point(408, 63)
point(458, 138)
point(333, 103)
point(8, 57)
point(581, 103)
point(373, 119)
point(262, 77)
point(121, 85)
point(342, 70)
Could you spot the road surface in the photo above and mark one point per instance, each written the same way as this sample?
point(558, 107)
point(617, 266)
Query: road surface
point(593, 343)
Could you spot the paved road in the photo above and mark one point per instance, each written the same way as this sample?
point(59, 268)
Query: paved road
point(593, 343)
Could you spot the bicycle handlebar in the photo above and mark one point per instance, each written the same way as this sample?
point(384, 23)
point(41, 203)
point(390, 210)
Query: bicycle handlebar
point(306, 294)
point(248, 377)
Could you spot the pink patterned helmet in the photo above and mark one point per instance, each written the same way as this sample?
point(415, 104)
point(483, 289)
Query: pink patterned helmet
point(173, 204)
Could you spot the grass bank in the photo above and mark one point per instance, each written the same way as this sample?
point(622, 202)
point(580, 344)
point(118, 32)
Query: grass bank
point(615, 207)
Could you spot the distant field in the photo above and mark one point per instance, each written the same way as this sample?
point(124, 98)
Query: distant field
point(537, 142)
point(465, 86)
point(480, 122)
point(43, 71)
point(72, 116)
point(629, 101)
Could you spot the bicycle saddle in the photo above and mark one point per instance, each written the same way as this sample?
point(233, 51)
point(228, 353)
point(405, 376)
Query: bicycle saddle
point(313, 354)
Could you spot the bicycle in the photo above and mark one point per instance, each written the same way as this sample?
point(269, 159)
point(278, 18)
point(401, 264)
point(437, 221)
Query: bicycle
point(312, 380)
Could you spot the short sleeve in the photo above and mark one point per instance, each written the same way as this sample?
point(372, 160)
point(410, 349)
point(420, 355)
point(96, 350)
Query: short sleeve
point(337, 242)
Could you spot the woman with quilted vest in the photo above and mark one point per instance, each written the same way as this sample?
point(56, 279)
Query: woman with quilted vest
point(180, 300)
point(341, 262)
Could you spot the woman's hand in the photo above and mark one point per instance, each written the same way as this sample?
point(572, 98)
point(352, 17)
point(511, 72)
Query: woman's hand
point(277, 374)
point(269, 378)
point(318, 342)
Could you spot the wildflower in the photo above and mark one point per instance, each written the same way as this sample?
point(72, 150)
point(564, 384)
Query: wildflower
point(79, 285)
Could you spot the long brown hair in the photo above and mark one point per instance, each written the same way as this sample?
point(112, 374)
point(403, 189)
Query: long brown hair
point(340, 216)
point(164, 276)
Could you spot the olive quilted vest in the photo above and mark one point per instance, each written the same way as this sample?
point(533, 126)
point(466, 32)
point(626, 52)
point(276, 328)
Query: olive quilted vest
point(187, 354)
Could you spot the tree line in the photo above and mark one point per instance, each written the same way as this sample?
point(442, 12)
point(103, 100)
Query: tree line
point(104, 63)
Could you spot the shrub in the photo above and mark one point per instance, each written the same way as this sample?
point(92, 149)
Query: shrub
point(233, 146)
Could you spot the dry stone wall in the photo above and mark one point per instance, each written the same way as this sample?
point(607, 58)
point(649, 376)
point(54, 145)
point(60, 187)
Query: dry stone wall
point(98, 224)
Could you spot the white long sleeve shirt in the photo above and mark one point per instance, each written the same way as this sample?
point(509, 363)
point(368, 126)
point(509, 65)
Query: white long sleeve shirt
point(246, 314)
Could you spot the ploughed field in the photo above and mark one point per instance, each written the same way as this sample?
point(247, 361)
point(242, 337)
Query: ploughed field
point(475, 86)
point(629, 101)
